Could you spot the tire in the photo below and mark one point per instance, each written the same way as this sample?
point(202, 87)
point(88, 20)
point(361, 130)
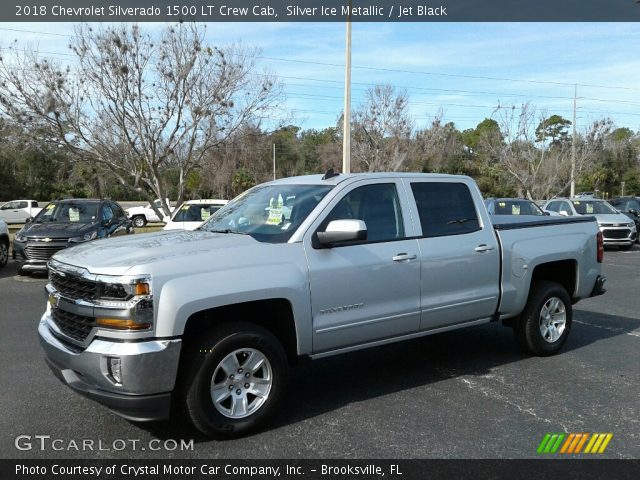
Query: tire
point(538, 333)
point(238, 411)
point(139, 221)
point(4, 252)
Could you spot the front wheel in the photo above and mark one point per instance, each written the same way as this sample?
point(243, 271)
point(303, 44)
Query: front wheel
point(238, 378)
point(4, 252)
point(139, 221)
point(545, 323)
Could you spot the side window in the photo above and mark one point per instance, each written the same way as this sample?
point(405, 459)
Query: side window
point(553, 206)
point(23, 204)
point(34, 204)
point(377, 205)
point(107, 213)
point(564, 206)
point(445, 208)
point(117, 211)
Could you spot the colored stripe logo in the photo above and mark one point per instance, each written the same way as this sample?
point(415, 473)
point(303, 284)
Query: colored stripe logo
point(569, 443)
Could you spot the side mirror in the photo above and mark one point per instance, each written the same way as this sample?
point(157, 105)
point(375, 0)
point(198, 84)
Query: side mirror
point(547, 213)
point(633, 212)
point(29, 220)
point(107, 222)
point(564, 213)
point(339, 231)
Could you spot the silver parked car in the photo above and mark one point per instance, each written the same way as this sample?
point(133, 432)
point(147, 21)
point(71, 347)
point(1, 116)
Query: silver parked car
point(616, 227)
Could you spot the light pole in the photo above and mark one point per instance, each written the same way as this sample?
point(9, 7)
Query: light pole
point(346, 125)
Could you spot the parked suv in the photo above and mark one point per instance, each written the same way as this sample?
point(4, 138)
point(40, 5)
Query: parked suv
point(630, 206)
point(4, 243)
point(512, 206)
point(616, 227)
point(193, 213)
point(65, 223)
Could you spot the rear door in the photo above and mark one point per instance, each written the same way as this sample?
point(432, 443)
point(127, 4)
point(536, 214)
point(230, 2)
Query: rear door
point(460, 258)
point(368, 290)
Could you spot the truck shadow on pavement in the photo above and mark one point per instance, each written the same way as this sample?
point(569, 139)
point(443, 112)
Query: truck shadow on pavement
point(327, 385)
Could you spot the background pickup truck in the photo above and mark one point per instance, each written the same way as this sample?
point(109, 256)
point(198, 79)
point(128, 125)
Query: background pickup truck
point(140, 216)
point(207, 322)
point(18, 211)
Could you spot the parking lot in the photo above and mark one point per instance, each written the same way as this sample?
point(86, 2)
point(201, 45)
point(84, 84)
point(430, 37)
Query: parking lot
point(463, 394)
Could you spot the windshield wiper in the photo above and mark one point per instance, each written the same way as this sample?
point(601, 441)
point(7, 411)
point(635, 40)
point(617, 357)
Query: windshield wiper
point(460, 220)
point(227, 230)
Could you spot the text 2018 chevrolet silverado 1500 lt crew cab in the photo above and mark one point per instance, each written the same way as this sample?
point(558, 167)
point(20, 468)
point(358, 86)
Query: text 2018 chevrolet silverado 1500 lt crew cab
point(208, 321)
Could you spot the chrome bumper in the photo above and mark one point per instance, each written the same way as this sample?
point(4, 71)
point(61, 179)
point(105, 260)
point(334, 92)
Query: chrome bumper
point(148, 369)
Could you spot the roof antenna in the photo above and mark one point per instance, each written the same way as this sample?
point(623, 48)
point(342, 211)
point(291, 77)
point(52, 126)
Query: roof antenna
point(330, 174)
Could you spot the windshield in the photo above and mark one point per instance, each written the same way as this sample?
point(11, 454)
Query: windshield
point(269, 213)
point(517, 207)
point(68, 212)
point(195, 213)
point(593, 207)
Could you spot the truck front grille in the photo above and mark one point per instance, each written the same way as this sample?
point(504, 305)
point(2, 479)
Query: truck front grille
point(73, 326)
point(41, 252)
point(73, 287)
point(616, 234)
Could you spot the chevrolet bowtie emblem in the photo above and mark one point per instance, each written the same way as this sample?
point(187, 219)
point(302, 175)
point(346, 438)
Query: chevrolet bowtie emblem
point(46, 239)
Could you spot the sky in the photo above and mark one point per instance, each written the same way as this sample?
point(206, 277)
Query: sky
point(463, 70)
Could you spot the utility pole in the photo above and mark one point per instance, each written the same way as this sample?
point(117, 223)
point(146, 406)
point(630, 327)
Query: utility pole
point(274, 161)
point(573, 142)
point(346, 126)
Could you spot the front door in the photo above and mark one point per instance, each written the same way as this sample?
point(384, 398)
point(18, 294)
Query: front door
point(370, 290)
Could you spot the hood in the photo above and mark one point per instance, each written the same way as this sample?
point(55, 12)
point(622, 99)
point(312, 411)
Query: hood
point(56, 230)
point(116, 256)
point(612, 218)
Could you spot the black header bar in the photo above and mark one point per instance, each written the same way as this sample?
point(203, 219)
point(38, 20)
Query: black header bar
point(320, 10)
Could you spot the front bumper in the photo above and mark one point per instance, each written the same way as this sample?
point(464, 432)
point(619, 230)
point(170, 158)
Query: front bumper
point(149, 370)
point(33, 256)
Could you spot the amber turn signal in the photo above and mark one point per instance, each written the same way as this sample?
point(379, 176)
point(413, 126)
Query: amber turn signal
point(121, 324)
point(141, 289)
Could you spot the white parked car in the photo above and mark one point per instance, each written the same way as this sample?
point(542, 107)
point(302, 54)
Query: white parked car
point(193, 213)
point(140, 216)
point(617, 228)
point(4, 243)
point(18, 211)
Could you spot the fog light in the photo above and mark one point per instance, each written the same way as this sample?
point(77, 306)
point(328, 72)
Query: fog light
point(114, 364)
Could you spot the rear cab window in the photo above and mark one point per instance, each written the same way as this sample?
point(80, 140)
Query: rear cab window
point(445, 208)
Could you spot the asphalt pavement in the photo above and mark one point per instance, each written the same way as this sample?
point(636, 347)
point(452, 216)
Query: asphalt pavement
point(463, 394)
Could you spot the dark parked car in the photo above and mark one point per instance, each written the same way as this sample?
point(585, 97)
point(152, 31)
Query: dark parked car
point(512, 206)
point(65, 223)
point(630, 206)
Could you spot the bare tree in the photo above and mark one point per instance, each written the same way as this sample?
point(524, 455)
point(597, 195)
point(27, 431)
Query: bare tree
point(138, 106)
point(538, 168)
point(382, 130)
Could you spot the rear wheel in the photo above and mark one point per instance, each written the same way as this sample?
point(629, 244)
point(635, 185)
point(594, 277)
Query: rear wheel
point(237, 376)
point(139, 221)
point(545, 323)
point(4, 252)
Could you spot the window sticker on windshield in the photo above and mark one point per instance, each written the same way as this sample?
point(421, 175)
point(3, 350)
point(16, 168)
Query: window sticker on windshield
point(589, 208)
point(51, 206)
point(275, 211)
point(74, 214)
point(205, 214)
point(185, 207)
point(502, 204)
point(286, 226)
point(515, 209)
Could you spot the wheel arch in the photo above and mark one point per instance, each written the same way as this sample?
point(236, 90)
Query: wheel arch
point(274, 314)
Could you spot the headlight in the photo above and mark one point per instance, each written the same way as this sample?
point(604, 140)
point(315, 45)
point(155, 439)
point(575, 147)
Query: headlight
point(130, 300)
point(84, 238)
point(21, 238)
point(631, 225)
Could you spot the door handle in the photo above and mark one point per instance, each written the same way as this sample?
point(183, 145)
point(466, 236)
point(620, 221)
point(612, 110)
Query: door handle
point(404, 257)
point(483, 248)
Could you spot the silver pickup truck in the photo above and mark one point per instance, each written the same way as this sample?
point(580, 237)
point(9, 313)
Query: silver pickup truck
point(207, 323)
